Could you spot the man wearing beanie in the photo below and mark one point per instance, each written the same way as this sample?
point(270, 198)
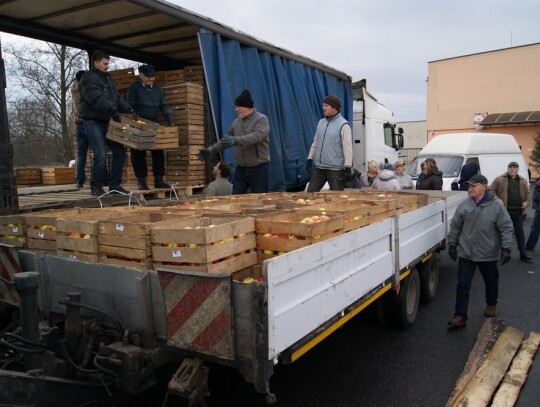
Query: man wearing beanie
point(250, 134)
point(147, 100)
point(330, 156)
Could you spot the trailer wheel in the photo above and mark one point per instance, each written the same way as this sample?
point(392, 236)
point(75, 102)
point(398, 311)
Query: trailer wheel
point(408, 300)
point(429, 278)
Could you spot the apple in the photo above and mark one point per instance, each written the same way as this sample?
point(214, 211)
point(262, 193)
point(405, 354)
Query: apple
point(87, 236)
point(280, 253)
point(268, 251)
point(315, 218)
point(323, 217)
point(248, 280)
point(307, 220)
point(292, 237)
point(283, 236)
point(227, 239)
point(171, 245)
point(186, 203)
point(300, 201)
point(267, 235)
point(193, 245)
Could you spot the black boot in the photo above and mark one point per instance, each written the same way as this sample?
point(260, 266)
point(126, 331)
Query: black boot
point(142, 185)
point(96, 189)
point(158, 182)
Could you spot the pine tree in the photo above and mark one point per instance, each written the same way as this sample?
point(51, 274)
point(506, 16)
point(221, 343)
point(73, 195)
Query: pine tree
point(535, 154)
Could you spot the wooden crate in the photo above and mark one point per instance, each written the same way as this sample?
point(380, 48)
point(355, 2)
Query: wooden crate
point(187, 113)
point(355, 214)
point(191, 134)
point(126, 241)
point(41, 227)
point(168, 78)
point(123, 78)
point(183, 94)
point(57, 175)
point(139, 134)
point(279, 234)
point(28, 176)
point(210, 244)
point(194, 73)
point(13, 230)
point(166, 138)
point(77, 236)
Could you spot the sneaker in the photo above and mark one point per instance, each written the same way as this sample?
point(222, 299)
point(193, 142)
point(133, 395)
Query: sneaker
point(457, 321)
point(525, 259)
point(142, 185)
point(118, 188)
point(491, 311)
point(79, 186)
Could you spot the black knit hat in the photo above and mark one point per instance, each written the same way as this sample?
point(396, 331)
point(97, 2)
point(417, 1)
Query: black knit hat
point(333, 101)
point(244, 99)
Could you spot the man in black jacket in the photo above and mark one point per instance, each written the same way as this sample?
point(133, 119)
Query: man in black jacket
point(100, 101)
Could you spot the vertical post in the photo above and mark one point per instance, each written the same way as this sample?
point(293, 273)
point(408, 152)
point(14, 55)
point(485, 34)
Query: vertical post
point(9, 200)
point(27, 284)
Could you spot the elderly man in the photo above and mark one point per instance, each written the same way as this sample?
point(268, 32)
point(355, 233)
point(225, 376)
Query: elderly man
point(331, 151)
point(514, 191)
point(481, 228)
point(250, 134)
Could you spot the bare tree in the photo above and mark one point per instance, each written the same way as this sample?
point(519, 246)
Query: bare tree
point(42, 74)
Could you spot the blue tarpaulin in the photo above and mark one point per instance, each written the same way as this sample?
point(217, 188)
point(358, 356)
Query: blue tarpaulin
point(289, 93)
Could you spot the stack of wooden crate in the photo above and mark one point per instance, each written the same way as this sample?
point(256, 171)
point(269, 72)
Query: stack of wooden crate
point(57, 175)
point(28, 177)
point(123, 78)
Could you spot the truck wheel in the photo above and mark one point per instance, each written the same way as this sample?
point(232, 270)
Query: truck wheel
point(429, 278)
point(408, 299)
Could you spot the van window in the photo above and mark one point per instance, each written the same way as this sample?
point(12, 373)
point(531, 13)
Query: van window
point(449, 165)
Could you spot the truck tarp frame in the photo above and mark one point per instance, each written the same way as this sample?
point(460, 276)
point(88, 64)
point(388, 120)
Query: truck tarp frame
point(286, 91)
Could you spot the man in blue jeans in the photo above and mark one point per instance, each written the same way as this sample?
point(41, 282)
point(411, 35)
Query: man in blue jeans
point(100, 101)
point(481, 228)
point(250, 133)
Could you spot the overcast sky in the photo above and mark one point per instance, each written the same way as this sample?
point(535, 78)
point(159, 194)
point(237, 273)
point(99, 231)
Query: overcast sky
point(388, 42)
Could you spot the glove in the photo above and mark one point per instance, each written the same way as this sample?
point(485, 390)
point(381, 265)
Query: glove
point(346, 176)
point(229, 141)
point(116, 118)
point(505, 256)
point(170, 123)
point(452, 252)
point(309, 165)
point(204, 153)
point(134, 115)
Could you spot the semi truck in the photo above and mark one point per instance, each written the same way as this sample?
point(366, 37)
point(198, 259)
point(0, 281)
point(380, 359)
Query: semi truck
point(84, 333)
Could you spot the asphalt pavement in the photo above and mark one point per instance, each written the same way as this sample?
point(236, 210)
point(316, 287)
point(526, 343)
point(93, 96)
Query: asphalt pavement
point(366, 364)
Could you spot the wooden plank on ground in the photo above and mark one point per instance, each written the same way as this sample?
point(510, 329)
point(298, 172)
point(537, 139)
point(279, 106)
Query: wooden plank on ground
point(515, 377)
point(480, 388)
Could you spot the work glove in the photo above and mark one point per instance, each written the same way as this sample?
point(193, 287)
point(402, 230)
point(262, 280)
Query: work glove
point(134, 115)
point(116, 115)
point(346, 176)
point(204, 153)
point(309, 165)
point(505, 256)
point(229, 141)
point(170, 123)
point(452, 252)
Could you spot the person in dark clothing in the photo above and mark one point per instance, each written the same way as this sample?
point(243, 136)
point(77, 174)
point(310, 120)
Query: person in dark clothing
point(147, 100)
point(534, 233)
point(100, 101)
point(80, 135)
point(431, 177)
point(467, 171)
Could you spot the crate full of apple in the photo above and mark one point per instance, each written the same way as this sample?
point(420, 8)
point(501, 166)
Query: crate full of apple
point(283, 233)
point(13, 230)
point(356, 214)
point(210, 244)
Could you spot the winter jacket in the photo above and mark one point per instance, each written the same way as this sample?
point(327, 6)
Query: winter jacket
point(431, 181)
point(364, 180)
point(100, 99)
point(386, 180)
point(481, 231)
point(536, 195)
point(253, 136)
point(467, 171)
point(499, 187)
point(148, 101)
point(404, 180)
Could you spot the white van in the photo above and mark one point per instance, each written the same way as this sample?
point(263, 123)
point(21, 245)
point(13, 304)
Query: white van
point(491, 151)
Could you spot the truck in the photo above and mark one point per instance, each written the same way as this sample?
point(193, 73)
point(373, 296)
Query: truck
point(82, 332)
point(490, 151)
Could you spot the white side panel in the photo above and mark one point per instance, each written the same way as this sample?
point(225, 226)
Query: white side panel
point(419, 231)
point(309, 286)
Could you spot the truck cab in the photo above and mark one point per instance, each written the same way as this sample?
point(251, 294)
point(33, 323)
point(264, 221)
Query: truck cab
point(374, 129)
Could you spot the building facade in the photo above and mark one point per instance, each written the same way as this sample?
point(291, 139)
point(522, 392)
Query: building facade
point(490, 92)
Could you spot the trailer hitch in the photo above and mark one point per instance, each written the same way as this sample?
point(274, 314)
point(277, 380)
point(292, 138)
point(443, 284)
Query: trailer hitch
point(189, 382)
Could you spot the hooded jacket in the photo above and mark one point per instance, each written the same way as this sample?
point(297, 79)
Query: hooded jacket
point(432, 181)
point(481, 231)
point(386, 180)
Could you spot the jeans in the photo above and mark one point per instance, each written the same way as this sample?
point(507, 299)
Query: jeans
point(138, 160)
point(320, 176)
point(535, 231)
point(254, 178)
point(517, 221)
point(95, 133)
point(466, 269)
point(82, 151)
